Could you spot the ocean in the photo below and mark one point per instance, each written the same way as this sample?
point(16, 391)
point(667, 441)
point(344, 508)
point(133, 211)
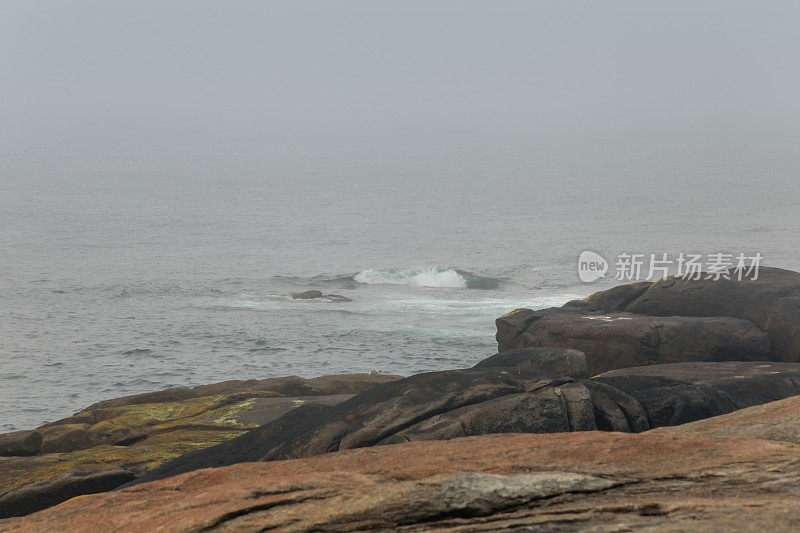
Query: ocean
point(131, 270)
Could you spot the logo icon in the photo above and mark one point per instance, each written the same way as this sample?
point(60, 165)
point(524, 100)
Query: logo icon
point(591, 266)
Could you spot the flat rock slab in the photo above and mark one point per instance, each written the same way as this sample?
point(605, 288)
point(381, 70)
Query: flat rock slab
point(265, 410)
point(586, 480)
point(621, 340)
point(703, 372)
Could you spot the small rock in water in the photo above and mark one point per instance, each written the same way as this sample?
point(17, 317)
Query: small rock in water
point(315, 294)
point(337, 298)
point(307, 295)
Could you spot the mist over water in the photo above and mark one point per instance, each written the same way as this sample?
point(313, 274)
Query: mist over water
point(168, 180)
point(130, 278)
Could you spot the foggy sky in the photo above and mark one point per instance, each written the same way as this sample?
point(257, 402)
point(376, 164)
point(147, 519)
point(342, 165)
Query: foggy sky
point(161, 73)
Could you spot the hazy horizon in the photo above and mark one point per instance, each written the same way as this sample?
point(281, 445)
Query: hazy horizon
point(185, 77)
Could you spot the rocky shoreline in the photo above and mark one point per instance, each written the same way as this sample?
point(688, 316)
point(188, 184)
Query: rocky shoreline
point(669, 405)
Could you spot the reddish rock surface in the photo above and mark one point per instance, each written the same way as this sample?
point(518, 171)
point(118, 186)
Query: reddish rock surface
point(772, 421)
point(561, 482)
point(114, 441)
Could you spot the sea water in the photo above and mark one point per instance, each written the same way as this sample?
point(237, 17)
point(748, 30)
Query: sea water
point(126, 271)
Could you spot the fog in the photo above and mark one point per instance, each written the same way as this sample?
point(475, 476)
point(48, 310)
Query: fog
point(93, 77)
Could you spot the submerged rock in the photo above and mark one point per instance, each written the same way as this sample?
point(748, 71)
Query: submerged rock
point(336, 298)
point(315, 294)
point(307, 295)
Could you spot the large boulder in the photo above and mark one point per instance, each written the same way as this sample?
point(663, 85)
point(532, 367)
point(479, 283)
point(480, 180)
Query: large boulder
point(614, 299)
point(548, 361)
point(748, 298)
point(769, 301)
point(621, 340)
point(763, 301)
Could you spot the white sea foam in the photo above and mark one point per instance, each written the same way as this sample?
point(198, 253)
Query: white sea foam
point(419, 277)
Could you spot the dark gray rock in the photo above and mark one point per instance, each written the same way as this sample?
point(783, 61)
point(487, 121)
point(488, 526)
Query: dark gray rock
point(318, 295)
point(307, 295)
point(456, 403)
point(265, 410)
point(37, 496)
point(564, 407)
point(621, 340)
point(771, 302)
point(616, 298)
point(20, 443)
point(685, 392)
point(783, 325)
point(336, 298)
point(363, 420)
point(386, 409)
point(759, 300)
point(546, 361)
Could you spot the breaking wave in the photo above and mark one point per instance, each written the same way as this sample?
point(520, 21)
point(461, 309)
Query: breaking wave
point(427, 277)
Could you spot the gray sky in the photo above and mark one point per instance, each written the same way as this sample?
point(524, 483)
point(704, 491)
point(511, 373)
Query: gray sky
point(89, 72)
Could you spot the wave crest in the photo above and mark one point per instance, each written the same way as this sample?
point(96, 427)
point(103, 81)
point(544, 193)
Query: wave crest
point(421, 277)
point(431, 276)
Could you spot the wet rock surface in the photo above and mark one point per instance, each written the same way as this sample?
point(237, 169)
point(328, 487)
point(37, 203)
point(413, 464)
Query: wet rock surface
point(318, 295)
